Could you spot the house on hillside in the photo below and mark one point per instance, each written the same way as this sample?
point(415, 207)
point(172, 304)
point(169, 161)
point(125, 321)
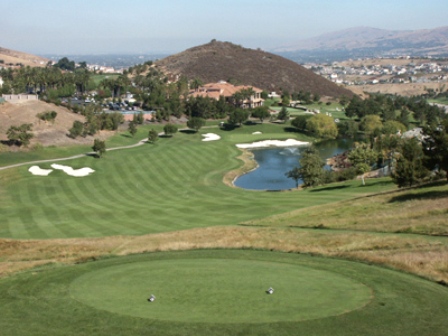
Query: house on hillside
point(1, 82)
point(230, 93)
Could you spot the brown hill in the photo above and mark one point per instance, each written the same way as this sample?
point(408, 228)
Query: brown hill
point(12, 56)
point(217, 61)
point(45, 133)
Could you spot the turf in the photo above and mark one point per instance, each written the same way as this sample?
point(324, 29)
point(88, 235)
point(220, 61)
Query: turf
point(220, 291)
point(58, 300)
point(173, 185)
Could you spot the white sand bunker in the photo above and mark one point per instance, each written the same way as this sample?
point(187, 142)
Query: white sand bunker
point(257, 133)
point(273, 143)
point(210, 137)
point(73, 172)
point(36, 170)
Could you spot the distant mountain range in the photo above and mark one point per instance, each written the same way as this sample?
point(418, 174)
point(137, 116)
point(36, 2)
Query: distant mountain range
point(369, 42)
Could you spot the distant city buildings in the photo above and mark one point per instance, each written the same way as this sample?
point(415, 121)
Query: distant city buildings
point(425, 72)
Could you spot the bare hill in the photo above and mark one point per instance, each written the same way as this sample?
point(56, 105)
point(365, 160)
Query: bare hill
point(45, 133)
point(217, 61)
point(15, 57)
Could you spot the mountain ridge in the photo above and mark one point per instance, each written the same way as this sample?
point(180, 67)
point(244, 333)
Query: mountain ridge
point(377, 42)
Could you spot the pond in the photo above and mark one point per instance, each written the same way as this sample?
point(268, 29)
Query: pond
point(273, 163)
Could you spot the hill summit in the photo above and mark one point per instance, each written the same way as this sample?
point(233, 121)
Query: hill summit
point(217, 61)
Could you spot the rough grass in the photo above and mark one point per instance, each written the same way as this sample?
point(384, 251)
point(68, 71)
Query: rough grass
point(422, 210)
point(422, 255)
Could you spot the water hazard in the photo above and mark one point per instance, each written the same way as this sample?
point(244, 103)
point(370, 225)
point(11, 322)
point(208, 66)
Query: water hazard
point(273, 163)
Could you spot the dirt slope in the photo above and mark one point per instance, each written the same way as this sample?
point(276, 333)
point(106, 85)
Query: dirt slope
point(45, 133)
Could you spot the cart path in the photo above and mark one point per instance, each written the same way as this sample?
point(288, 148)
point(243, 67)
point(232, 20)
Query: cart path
point(140, 143)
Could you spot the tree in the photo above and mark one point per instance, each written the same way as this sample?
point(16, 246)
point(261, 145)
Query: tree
point(153, 136)
point(294, 174)
point(404, 116)
point(196, 83)
point(65, 64)
point(195, 123)
point(138, 118)
point(370, 123)
point(299, 122)
point(283, 115)
point(435, 146)
point(170, 129)
point(20, 135)
point(362, 158)
point(347, 128)
point(238, 116)
point(285, 99)
point(354, 108)
point(322, 126)
point(76, 130)
point(409, 167)
point(261, 113)
point(99, 147)
point(393, 127)
point(132, 128)
point(310, 170)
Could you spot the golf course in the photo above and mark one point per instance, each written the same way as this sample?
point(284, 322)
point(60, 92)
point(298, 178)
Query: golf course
point(81, 255)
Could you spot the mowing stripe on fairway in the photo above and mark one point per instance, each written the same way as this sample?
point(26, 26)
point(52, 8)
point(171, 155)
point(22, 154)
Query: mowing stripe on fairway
point(176, 184)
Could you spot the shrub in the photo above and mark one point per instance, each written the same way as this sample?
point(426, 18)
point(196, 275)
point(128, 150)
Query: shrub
point(47, 116)
point(300, 121)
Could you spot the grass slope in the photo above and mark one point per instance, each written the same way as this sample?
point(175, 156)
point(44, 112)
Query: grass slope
point(422, 210)
point(48, 299)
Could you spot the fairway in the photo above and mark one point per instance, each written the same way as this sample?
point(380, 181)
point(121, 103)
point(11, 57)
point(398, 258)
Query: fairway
point(176, 184)
point(221, 292)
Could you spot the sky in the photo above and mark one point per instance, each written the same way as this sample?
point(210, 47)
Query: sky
point(83, 27)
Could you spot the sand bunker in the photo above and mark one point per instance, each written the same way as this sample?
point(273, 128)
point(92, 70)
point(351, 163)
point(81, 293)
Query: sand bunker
point(273, 143)
point(257, 133)
point(210, 137)
point(73, 172)
point(36, 170)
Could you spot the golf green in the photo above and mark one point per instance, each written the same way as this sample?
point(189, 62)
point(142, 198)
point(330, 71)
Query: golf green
point(220, 291)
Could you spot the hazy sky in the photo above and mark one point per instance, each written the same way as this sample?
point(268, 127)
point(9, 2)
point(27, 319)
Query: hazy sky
point(168, 26)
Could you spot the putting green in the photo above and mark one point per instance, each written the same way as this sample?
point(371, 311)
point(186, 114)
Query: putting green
point(220, 291)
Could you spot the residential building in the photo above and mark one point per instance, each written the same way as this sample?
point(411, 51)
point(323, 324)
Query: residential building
point(228, 91)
